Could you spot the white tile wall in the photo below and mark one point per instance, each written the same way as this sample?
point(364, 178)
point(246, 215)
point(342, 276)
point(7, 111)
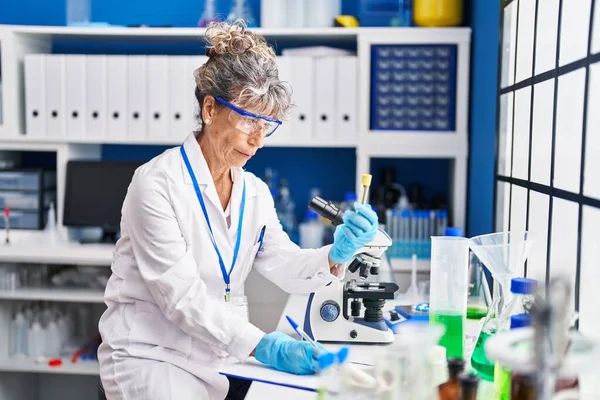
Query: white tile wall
point(591, 181)
point(541, 141)
point(563, 245)
point(569, 125)
point(525, 44)
point(547, 26)
point(589, 299)
point(521, 133)
point(538, 223)
point(505, 140)
point(518, 209)
point(574, 30)
point(509, 45)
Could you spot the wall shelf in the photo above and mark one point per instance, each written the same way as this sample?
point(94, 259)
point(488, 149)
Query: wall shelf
point(54, 294)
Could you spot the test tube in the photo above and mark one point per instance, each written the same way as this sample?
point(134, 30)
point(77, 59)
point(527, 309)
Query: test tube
point(448, 290)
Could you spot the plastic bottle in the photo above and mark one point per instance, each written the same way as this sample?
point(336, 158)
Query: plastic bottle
point(502, 376)
point(50, 218)
point(18, 336)
point(450, 390)
point(36, 340)
point(311, 231)
point(286, 211)
point(52, 342)
point(241, 9)
point(437, 364)
point(209, 14)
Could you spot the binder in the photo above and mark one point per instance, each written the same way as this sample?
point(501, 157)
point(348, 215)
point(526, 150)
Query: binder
point(324, 92)
point(137, 94)
point(158, 96)
point(117, 96)
point(75, 81)
point(35, 94)
point(193, 109)
point(346, 114)
point(303, 114)
point(55, 95)
point(96, 92)
point(179, 120)
point(283, 134)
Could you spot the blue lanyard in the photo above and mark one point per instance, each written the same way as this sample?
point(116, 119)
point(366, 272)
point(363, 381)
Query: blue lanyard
point(226, 276)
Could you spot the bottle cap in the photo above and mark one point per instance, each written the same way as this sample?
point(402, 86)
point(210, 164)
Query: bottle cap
point(469, 381)
point(520, 321)
point(453, 231)
point(455, 366)
point(350, 197)
point(523, 285)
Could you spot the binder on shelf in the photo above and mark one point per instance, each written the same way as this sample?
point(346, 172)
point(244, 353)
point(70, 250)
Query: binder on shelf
point(137, 94)
point(117, 97)
point(324, 91)
point(158, 97)
point(55, 95)
point(346, 113)
point(178, 87)
point(303, 114)
point(35, 94)
point(193, 109)
point(283, 134)
point(75, 82)
point(96, 92)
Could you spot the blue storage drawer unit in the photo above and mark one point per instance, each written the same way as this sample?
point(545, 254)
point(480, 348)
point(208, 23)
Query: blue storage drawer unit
point(413, 87)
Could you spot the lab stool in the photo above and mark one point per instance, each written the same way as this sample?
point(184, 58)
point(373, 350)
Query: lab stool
point(101, 394)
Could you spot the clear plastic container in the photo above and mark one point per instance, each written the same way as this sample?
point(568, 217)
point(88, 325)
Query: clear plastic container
point(448, 290)
point(311, 231)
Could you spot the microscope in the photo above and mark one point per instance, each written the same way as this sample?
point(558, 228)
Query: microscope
point(333, 313)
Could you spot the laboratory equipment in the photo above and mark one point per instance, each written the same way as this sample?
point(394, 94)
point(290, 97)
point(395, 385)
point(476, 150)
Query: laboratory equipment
point(405, 367)
point(240, 9)
point(7, 225)
point(94, 194)
point(365, 183)
point(448, 290)
point(450, 390)
point(479, 298)
point(286, 211)
point(18, 335)
point(328, 314)
point(412, 294)
point(504, 255)
point(468, 386)
point(209, 14)
point(538, 356)
point(438, 13)
point(502, 375)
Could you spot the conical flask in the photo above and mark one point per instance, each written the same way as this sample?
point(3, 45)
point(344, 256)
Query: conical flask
point(504, 254)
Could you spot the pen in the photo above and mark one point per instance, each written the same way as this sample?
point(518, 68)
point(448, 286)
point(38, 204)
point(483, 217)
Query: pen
point(300, 331)
point(261, 236)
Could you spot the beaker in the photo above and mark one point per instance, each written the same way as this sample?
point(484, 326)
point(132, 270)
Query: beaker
point(448, 290)
point(504, 255)
point(479, 297)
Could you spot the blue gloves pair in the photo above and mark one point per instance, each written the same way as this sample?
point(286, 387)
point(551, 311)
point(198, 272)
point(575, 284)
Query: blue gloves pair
point(284, 353)
point(359, 228)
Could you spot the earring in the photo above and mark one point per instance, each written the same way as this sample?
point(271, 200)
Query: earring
point(207, 121)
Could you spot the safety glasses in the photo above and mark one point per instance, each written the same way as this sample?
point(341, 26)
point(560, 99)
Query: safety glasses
point(248, 122)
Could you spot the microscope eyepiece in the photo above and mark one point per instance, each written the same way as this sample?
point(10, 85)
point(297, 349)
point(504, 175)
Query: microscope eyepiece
point(328, 210)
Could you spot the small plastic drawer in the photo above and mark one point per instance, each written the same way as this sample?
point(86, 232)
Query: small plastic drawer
point(27, 180)
point(29, 201)
point(22, 220)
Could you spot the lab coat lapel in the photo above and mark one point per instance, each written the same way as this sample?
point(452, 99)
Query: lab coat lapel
point(200, 167)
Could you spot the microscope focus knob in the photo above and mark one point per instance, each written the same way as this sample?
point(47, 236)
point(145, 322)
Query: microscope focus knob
point(330, 311)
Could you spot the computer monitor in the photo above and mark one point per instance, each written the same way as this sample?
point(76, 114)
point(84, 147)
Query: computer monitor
point(94, 194)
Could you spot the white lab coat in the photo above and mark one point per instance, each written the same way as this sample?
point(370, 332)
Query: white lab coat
point(167, 325)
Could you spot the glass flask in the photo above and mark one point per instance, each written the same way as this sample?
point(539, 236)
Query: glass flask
point(504, 254)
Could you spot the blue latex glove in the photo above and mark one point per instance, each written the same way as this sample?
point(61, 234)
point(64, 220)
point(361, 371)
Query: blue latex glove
point(359, 228)
point(287, 354)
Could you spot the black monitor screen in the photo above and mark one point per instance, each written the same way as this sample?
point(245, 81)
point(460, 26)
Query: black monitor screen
point(95, 192)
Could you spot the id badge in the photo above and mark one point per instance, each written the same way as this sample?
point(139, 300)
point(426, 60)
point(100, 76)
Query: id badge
point(239, 306)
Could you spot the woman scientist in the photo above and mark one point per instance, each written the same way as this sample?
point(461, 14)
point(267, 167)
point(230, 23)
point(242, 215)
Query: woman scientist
point(193, 225)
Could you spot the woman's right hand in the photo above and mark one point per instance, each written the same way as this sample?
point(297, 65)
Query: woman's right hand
point(287, 354)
